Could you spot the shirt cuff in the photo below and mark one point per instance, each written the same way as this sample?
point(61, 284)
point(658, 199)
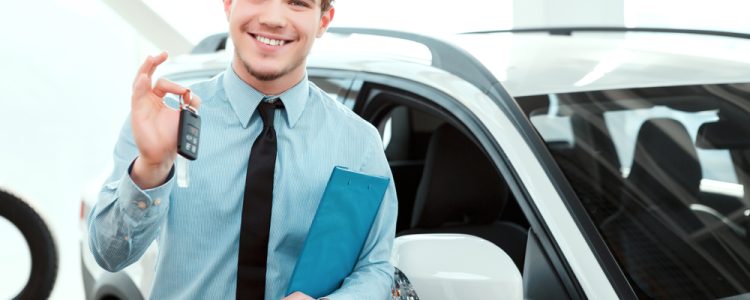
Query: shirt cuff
point(138, 203)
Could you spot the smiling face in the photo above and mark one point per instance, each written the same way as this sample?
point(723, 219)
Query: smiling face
point(272, 39)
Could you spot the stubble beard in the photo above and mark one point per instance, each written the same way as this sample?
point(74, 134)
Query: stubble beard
point(268, 76)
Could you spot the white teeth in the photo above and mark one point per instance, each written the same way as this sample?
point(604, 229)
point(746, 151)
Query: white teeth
point(270, 42)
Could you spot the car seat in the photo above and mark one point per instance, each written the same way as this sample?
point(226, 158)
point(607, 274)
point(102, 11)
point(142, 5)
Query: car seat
point(654, 235)
point(462, 192)
point(667, 171)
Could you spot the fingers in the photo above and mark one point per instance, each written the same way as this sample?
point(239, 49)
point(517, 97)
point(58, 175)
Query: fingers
point(142, 82)
point(195, 101)
point(191, 99)
point(141, 86)
point(164, 86)
point(149, 66)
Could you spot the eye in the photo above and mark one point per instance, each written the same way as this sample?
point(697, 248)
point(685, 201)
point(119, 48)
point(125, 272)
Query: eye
point(299, 3)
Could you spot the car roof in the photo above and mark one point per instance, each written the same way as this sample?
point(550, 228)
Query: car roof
point(528, 63)
point(540, 63)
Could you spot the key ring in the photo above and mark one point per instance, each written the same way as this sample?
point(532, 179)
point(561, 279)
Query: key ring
point(186, 104)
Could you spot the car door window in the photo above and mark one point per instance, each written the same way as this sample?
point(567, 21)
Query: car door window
point(663, 173)
point(336, 88)
point(445, 181)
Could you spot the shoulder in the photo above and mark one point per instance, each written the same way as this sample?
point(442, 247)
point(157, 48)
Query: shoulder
point(343, 117)
point(209, 89)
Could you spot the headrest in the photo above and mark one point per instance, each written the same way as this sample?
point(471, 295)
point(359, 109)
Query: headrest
point(665, 161)
point(724, 135)
point(459, 184)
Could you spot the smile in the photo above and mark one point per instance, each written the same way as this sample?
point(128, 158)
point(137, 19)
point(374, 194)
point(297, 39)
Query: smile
point(269, 41)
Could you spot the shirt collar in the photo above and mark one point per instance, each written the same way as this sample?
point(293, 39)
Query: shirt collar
point(244, 98)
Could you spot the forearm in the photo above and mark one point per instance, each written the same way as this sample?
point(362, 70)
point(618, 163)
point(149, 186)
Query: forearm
point(124, 222)
point(369, 282)
point(373, 274)
point(126, 218)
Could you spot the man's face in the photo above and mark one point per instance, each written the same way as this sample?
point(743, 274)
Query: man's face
point(273, 37)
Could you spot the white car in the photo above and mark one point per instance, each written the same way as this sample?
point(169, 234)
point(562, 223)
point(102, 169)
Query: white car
point(577, 163)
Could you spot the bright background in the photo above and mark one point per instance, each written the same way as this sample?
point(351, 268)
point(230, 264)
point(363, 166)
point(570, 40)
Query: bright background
point(67, 67)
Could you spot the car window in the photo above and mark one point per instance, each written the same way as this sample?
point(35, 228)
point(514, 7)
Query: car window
point(663, 173)
point(336, 88)
point(553, 128)
point(405, 133)
point(446, 182)
point(624, 126)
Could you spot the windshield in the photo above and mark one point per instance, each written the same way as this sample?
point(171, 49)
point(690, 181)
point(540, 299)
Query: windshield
point(663, 173)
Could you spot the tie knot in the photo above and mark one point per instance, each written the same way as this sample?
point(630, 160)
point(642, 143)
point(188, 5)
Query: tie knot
point(266, 110)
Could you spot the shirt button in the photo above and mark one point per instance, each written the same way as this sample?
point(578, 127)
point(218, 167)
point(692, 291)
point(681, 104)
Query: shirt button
point(142, 204)
point(157, 201)
point(126, 238)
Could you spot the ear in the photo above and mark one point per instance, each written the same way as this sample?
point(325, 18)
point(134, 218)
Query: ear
point(227, 7)
point(325, 20)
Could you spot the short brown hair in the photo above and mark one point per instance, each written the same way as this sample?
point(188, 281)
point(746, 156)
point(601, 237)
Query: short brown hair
point(325, 5)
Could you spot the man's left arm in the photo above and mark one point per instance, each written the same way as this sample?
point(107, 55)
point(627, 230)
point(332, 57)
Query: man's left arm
point(373, 274)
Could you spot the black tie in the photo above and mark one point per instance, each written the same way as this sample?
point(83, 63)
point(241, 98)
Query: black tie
point(256, 209)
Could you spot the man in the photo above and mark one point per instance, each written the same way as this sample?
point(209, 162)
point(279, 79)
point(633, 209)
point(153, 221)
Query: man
point(203, 230)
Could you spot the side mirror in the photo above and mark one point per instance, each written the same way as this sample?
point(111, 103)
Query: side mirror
point(455, 266)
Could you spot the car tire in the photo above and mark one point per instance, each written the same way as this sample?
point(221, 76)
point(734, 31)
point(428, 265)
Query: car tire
point(44, 260)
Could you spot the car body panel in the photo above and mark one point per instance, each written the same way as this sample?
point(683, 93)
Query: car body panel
point(533, 64)
point(484, 269)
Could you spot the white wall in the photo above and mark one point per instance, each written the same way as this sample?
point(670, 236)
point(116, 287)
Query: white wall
point(560, 13)
point(67, 68)
point(424, 16)
point(727, 15)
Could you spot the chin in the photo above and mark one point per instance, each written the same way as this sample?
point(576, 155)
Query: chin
point(265, 73)
point(259, 71)
point(266, 76)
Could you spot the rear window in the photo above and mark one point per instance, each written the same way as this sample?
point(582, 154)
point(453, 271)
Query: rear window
point(663, 173)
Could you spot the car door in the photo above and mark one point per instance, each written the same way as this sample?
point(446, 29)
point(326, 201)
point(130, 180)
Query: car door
point(411, 117)
point(410, 98)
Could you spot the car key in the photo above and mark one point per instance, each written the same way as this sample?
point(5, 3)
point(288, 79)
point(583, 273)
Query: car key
point(188, 135)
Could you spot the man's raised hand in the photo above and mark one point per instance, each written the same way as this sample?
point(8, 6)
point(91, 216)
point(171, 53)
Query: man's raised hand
point(154, 125)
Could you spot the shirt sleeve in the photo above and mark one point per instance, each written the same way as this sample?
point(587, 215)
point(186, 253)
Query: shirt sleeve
point(372, 277)
point(126, 219)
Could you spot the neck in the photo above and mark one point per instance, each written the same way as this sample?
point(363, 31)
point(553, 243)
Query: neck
point(268, 87)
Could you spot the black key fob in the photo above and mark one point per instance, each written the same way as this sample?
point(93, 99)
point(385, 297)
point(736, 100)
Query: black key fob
point(188, 134)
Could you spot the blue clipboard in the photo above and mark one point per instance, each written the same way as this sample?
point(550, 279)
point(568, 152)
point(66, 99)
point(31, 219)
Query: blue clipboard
point(338, 232)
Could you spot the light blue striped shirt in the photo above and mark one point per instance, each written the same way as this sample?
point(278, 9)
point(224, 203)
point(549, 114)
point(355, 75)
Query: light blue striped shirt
point(197, 228)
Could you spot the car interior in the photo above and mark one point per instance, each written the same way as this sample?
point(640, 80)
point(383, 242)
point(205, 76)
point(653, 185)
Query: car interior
point(673, 236)
point(444, 180)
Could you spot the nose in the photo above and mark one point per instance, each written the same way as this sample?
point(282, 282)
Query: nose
point(273, 14)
